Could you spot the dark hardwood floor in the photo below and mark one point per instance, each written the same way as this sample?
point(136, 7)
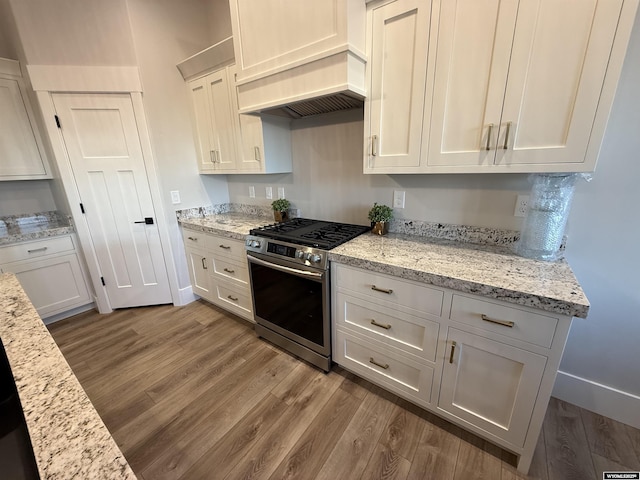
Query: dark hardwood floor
point(190, 393)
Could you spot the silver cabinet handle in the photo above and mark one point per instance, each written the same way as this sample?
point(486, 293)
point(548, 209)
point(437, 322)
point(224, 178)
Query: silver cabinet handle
point(381, 325)
point(234, 299)
point(383, 290)
point(42, 249)
point(385, 366)
point(506, 136)
point(204, 263)
point(374, 145)
point(504, 323)
point(193, 239)
point(488, 146)
point(226, 247)
point(229, 271)
point(212, 156)
point(453, 349)
point(256, 153)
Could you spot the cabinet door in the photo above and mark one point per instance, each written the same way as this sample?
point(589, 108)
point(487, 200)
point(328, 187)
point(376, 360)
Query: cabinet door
point(560, 53)
point(252, 147)
point(19, 151)
point(396, 72)
point(54, 284)
point(490, 385)
point(199, 272)
point(223, 124)
point(474, 47)
point(201, 123)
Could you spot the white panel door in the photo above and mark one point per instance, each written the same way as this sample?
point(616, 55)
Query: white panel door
point(559, 59)
point(474, 48)
point(103, 144)
point(490, 384)
point(397, 77)
point(201, 123)
point(223, 124)
point(19, 154)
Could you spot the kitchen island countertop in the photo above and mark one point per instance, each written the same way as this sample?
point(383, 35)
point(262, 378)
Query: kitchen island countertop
point(486, 270)
point(68, 436)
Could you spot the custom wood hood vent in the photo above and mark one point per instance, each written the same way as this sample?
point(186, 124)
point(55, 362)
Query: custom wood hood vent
point(296, 67)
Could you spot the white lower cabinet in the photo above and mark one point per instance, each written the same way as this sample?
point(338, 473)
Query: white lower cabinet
point(219, 271)
point(50, 273)
point(483, 364)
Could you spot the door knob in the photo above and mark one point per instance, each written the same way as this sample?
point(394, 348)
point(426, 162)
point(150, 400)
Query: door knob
point(147, 221)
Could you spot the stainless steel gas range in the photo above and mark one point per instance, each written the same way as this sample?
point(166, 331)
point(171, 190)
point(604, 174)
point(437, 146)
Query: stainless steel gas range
point(290, 283)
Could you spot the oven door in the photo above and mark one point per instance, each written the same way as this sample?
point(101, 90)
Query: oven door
point(291, 300)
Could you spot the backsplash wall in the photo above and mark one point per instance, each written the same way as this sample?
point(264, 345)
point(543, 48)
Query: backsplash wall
point(327, 182)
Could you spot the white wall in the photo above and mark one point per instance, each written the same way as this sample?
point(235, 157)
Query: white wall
point(603, 250)
point(29, 196)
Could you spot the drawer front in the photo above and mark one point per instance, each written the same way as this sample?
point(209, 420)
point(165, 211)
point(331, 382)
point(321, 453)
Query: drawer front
point(530, 327)
point(35, 249)
point(194, 239)
point(223, 247)
point(234, 299)
point(382, 366)
point(387, 288)
point(230, 271)
point(411, 334)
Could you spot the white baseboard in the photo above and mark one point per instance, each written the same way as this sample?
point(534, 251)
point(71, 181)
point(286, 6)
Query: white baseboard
point(69, 313)
point(598, 398)
point(185, 296)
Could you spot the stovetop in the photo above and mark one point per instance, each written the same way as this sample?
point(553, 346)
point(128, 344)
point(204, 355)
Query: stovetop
point(319, 234)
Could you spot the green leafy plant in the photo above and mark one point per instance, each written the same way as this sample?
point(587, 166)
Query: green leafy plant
point(380, 213)
point(281, 205)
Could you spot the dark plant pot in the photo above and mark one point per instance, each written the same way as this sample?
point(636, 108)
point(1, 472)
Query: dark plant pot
point(280, 216)
point(380, 228)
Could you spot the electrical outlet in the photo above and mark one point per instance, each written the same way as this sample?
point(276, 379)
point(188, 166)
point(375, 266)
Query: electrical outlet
point(175, 196)
point(252, 192)
point(269, 192)
point(398, 199)
point(522, 204)
point(280, 192)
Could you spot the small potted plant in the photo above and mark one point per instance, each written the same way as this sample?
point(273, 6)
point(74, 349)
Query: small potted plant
point(280, 208)
point(380, 216)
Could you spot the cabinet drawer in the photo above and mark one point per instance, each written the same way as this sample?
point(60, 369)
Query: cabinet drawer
point(383, 366)
point(384, 287)
point(35, 249)
point(194, 239)
point(520, 324)
point(223, 247)
point(232, 298)
point(411, 334)
point(230, 271)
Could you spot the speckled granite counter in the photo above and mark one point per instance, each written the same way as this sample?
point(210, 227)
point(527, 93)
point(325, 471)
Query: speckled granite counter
point(231, 225)
point(22, 228)
point(69, 439)
point(490, 271)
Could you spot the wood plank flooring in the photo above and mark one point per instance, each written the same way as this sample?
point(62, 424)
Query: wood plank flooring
point(190, 393)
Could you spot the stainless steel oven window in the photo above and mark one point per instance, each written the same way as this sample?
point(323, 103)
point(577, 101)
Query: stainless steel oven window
point(292, 301)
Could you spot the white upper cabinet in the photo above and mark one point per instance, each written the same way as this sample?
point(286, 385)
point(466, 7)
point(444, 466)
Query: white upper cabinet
point(214, 124)
point(398, 51)
point(518, 84)
point(22, 155)
point(291, 50)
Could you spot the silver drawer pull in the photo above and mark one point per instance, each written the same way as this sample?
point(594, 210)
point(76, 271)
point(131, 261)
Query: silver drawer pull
point(383, 290)
point(235, 299)
point(37, 250)
point(226, 247)
point(453, 349)
point(204, 263)
point(193, 239)
point(385, 366)
point(386, 327)
point(504, 323)
point(229, 271)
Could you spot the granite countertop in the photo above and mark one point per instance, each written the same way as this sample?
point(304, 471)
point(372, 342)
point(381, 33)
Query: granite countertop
point(231, 225)
point(68, 436)
point(23, 228)
point(488, 270)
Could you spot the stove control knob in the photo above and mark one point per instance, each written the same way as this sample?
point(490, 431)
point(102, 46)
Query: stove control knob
point(315, 258)
point(300, 254)
point(255, 243)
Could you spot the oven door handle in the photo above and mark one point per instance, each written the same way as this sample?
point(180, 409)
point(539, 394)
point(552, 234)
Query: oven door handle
point(282, 268)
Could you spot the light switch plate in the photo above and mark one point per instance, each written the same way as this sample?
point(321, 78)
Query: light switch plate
point(398, 199)
point(252, 192)
point(175, 197)
point(280, 192)
point(269, 192)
